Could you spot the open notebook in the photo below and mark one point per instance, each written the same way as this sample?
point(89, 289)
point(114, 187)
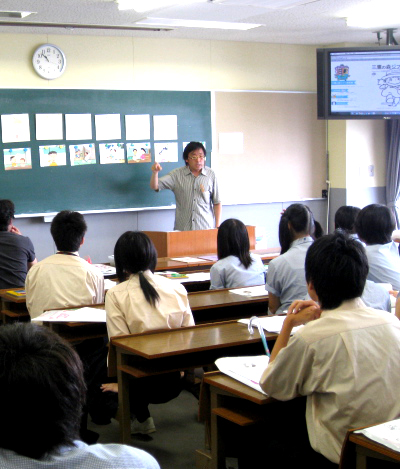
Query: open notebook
point(247, 370)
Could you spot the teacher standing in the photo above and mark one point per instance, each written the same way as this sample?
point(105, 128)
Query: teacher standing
point(198, 206)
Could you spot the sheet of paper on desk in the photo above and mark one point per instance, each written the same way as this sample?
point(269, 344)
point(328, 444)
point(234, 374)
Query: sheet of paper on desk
point(259, 290)
point(109, 284)
point(106, 269)
point(270, 324)
point(73, 315)
point(247, 370)
point(387, 434)
point(188, 260)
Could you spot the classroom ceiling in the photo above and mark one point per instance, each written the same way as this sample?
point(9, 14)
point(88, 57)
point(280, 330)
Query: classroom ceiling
point(319, 22)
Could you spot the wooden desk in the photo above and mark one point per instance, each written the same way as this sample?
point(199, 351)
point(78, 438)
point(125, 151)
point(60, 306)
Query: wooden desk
point(357, 448)
point(222, 305)
point(13, 307)
point(223, 397)
point(166, 263)
point(75, 332)
point(207, 306)
point(157, 352)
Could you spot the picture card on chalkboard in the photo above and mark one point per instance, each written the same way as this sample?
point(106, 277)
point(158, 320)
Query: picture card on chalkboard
point(112, 153)
point(138, 152)
point(166, 152)
point(137, 127)
point(78, 126)
point(17, 158)
point(49, 127)
point(108, 126)
point(82, 154)
point(52, 155)
point(15, 128)
point(165, 127)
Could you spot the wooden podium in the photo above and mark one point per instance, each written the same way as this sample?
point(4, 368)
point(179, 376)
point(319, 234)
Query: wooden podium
point(190, 243)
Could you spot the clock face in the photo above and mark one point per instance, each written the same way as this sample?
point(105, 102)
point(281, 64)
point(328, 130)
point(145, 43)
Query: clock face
point(49, 61)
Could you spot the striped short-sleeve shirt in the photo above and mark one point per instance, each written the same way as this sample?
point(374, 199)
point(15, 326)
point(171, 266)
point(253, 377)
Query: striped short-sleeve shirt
point(195, 197)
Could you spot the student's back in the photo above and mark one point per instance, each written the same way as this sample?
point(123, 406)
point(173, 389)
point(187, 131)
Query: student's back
point(236, 266)
point(375, 224)
point(141, 302)
point(285, 277)
point(64, 279)
point(17, 254)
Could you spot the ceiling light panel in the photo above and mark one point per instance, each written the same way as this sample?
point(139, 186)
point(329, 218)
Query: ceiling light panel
point(147, 5)
point(272, 4)
point(197, 24)
point(16, 14)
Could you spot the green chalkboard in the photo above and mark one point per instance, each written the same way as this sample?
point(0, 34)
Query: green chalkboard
point(97, 186)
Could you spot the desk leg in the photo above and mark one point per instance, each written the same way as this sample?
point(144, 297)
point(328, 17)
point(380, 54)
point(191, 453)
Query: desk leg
point(123, 401)
point(217, 443)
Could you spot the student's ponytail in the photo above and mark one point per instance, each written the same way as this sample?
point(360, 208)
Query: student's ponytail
point(135, 253)
point(301, 220)
point(149, 292)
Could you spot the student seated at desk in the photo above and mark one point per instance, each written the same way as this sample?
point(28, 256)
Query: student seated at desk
point(285, 277)
point(17, 254)
point(42, 389)
point(142, 302)
point(374, 295)
point(236, 266)
point(63, 280)
point(374, 225)
point(345, 219)
point(345, 359)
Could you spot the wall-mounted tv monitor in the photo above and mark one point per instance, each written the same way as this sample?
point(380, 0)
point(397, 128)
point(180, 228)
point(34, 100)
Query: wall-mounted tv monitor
point(358, 83)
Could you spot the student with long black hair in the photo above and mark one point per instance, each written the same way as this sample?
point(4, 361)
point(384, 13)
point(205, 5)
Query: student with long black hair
point(236, 266)
point(141, 302)
point(285, 277)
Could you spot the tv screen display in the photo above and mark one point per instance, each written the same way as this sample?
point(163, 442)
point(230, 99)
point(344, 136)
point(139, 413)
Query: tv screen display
point(358, 83)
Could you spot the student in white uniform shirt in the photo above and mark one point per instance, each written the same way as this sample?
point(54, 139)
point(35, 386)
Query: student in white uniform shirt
point(285, 277)
point(345, 359)
point(141, 302)
point(375, 224)
point(236, 266)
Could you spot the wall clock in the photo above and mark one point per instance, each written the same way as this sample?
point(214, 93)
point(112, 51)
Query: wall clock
point(49, 61)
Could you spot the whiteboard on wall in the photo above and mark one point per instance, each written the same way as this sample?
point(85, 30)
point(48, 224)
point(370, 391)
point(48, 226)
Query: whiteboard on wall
point(279, 146)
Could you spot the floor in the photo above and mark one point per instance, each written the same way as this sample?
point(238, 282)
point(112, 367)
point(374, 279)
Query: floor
point(177, 437)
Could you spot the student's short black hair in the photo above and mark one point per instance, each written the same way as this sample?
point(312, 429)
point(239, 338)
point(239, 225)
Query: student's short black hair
point(375, 224)
point(42, 390)
point(233, 240)
point(192, 146)
point(345, 218)
point(301, 220)
point(7, 211)
point(52, 152)
point(68, 230)
point(134, 253)
point(337, 266)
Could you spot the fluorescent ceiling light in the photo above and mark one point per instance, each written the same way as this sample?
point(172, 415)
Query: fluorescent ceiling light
point(384, 13)
point(146, 5)
point(197, 24)
point(16, 14)
point(273, 4)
